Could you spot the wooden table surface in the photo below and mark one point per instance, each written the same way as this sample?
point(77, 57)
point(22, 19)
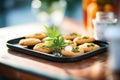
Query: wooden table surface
point(20, 66)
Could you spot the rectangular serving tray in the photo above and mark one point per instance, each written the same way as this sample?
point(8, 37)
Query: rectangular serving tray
point(14, 44)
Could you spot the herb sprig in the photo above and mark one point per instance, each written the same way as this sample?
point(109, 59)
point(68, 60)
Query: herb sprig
point(56, 44)
point(52, 32)
point(55, 41)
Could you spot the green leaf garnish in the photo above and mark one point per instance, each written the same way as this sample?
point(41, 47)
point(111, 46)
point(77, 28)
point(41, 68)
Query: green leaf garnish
point(55, 41)
point(91, 45)
point(75, 49)
point(85, 37)
point(53, 33)
point(56, 44)
point(73, 34)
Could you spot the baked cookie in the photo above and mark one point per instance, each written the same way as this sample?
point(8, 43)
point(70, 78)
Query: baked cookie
point(89, 47)
point(37, 35)
point(71, 36)
point(41, 47)
point(72, 51)
point(83, 39)
point(29, 42)
point(45, 39)
point(69, 42)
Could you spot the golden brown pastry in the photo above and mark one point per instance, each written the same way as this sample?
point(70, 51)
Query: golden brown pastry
point(45, 39)
point(89, 47)
point(69, 42)
point(72, 51)
point(37, 35)
point(83, 39)
point(41, 47)
point(29, 42)
point(71, 36)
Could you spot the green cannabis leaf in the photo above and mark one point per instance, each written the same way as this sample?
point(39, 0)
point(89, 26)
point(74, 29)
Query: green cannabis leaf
point(57, 44)
point(52, 33)
point(55, 41)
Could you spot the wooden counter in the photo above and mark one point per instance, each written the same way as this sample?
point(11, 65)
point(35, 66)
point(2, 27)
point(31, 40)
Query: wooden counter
point(20, 66)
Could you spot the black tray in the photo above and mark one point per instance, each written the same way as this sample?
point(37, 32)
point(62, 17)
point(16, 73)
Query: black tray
point(13, 44)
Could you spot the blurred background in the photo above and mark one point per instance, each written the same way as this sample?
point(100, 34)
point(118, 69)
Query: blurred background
point(80, 12)
point(15, 12)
